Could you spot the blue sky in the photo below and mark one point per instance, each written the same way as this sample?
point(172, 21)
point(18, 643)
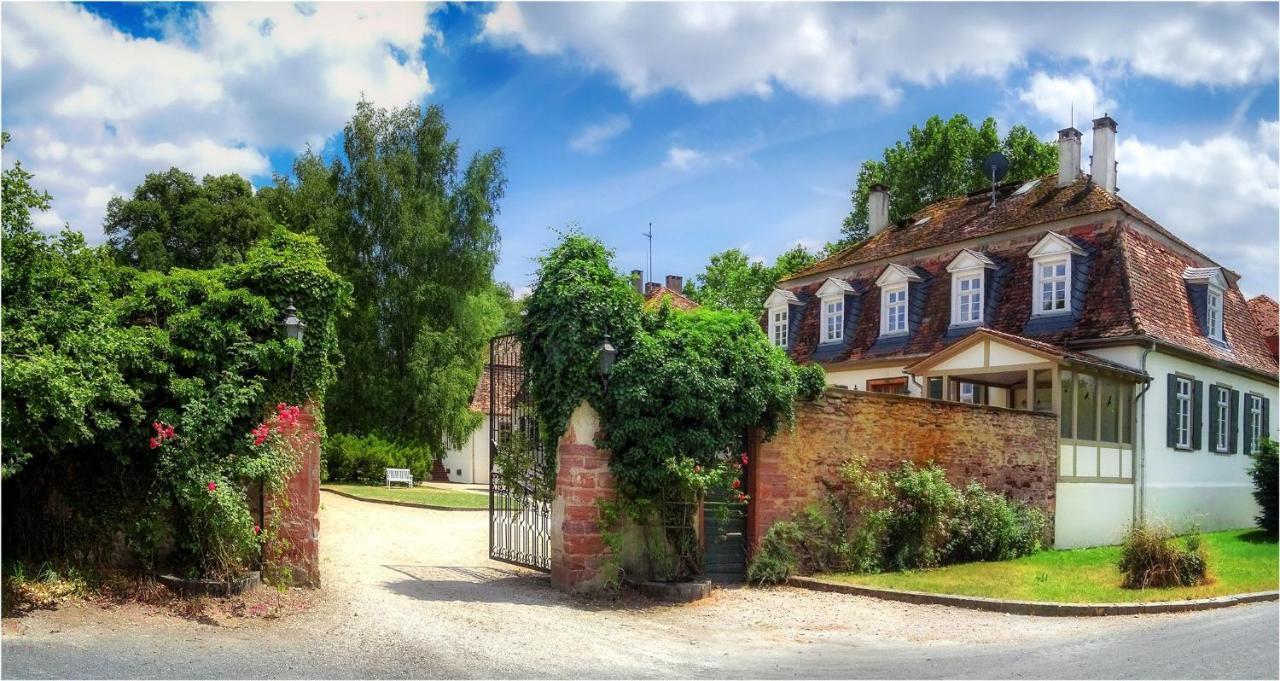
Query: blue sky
point(723, 125)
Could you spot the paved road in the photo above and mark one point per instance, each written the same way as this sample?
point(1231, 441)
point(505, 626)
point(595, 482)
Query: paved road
point(409, 593)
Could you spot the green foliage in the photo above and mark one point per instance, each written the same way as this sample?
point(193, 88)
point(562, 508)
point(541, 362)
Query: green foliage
point(1149, 558)
point(686, 391)
point(906, 519)
point(811, 381)
point(364, 459)
point(1266, 475)
point(732, 281)
point(19, 198)
point(173, 221)
point(576, 301)
point(940, 160)
point(415, 234)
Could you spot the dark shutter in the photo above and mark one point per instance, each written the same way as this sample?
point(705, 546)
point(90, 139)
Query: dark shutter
point(1266, 417)
point(1213, 417)
point(1197, 413)
point(935, 388)
point(1171, 412)
point(1235, 422)
point(1246, 434)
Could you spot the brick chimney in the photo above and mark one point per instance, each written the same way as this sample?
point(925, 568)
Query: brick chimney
point(637, 280)
point(650, 287)
point(877, 209)
point(675, 283)
point(1103, 164)
point(1068, 156)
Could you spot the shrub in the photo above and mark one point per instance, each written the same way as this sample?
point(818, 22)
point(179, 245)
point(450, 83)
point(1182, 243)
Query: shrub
point(1265, 474)
point(811, 381)
point(988, 526)
point(1150, 558)
point(775, 560)
point(365, 458)
point(917, 522)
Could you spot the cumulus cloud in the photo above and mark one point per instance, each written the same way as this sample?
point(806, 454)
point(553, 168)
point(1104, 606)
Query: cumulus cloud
point(594, 138)
point(683, 158)
point(1221, 194)
point(1054, 97)
point(93, 109)
point(838, 51)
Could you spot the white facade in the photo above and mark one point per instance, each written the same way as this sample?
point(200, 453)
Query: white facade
point(469, 463)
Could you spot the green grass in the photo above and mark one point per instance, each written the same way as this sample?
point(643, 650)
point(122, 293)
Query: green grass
point(1240, 561)
point(420, 496)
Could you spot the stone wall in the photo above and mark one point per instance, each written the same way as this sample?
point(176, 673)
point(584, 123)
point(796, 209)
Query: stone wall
point(299, 507)
point(1014, 452)
point(582, 479)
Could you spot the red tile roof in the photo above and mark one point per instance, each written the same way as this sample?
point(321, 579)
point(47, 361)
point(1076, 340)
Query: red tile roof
point(1266, 316)
point(1063, 354)
point(679, 301)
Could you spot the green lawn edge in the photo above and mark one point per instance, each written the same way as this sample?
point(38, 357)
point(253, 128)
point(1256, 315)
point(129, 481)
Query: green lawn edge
point(1240, 562)
point(424, 497)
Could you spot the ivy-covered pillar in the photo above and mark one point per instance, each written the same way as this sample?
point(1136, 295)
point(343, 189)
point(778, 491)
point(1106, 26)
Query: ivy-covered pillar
point(296, 546)
point(579, 556)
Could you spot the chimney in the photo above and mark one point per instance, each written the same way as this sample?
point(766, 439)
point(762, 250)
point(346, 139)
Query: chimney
point(1103, 164)
point(877, 209)
point(650, 287)
point(675, 283)
point(1068, 156)
point(637, 280)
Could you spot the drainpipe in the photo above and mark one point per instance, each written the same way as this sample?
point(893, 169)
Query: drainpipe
point(912, 378)
point(1140, 466)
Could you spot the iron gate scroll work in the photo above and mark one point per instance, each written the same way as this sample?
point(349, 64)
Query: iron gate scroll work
point(520, 483)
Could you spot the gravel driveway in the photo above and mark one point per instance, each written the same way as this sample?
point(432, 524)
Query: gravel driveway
point(411, 593)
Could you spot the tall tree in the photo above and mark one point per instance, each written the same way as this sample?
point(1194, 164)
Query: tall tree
point(943, 159)
point(415, 235)
point(173, 221)
point(732, 281)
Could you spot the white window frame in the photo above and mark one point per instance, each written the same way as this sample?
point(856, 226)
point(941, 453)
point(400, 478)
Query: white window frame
point(779, 326)
point(1255, 423)
point(964, 299)
point(899, 325)
point(1183, 432)
point(832, 320)
point(968, 393)
point(1213, 312)
point(1064, 279)
point(1222, 413)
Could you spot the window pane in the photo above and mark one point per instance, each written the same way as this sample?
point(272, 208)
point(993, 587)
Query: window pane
point(1086, 404)
point(1068, 403)
point(1126, 413)
point(1110, 391)
point(1043, 393)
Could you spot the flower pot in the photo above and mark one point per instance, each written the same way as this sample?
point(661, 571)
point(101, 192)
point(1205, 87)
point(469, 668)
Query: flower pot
point(676, 592)
point(211, 587)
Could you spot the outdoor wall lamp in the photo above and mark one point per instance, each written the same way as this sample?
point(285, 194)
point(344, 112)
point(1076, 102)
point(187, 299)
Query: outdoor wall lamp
point(293, 327)
point(607, 355)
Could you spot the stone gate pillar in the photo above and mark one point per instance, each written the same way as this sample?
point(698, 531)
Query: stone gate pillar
point(582, 479)
point(299, 507)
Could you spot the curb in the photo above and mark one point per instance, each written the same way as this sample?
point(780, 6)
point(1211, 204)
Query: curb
point(1035, 608)
point(404, 504)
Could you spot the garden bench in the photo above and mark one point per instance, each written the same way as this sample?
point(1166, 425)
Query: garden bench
point(399, 475)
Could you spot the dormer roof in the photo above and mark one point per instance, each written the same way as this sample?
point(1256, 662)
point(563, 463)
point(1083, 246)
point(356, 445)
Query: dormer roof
point(833, 287)
point(969, 260)
point(1053, 243)
point(896, 274)
point(1205, 275)
point(781, 297)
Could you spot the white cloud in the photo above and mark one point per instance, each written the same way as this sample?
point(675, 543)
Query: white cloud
point(1221, 194)
point(683, 158)
point(838, 51)
point(593, 138)
point(1054, 97)
point(92, 109)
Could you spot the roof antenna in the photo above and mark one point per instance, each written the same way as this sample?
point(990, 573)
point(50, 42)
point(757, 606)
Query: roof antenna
point(996, 166)
point(649, 235)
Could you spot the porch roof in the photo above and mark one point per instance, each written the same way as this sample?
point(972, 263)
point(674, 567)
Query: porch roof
point(1046, 351)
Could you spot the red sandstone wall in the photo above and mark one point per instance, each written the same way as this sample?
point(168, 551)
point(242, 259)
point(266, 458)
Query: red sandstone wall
point(300, 516)
point(1013, 452)
point(582, 478)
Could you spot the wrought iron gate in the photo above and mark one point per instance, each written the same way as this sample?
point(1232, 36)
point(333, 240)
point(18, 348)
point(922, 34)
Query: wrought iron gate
point(520, 482)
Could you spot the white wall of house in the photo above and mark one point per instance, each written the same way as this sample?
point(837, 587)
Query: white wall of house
point(856, 379)
point(1091, 513)
point(1203, 488)
point(469, 463)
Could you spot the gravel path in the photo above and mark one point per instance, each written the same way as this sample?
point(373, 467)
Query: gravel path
point(411, 593)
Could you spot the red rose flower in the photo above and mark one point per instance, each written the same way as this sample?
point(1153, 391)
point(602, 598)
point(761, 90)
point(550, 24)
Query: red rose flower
point(154, 443)
point(256, 529)
point(737, 484)
point(744, 459)
point(213, 486)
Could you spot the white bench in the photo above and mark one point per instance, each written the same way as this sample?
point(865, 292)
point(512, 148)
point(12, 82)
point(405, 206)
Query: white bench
point(399, 475)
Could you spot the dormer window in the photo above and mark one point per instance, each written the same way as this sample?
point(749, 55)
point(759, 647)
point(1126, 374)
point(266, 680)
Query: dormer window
point(968, 287)
point(1206, 288)
point(778, 316)
point(832, 296)
point(1051, 260)
point(895, 306)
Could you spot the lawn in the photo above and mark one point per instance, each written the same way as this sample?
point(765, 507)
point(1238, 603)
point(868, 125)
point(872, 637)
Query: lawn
point(419, 496)
point(1240, 561)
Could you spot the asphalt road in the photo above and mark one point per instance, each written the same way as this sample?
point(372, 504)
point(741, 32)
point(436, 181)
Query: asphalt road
point(416, 598)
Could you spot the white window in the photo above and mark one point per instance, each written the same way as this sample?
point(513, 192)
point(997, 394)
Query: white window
point(833, 320)
point(1184, 413)
point(780, 327)
point(966, 304)
point(1255, 424)
point(968, 393)
point(1214, 311)
point(893, 317)
point(1222, 441)
point(1053, 284)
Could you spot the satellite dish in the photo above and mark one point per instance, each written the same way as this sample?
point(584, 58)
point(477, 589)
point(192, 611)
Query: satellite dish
point(995, 166)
